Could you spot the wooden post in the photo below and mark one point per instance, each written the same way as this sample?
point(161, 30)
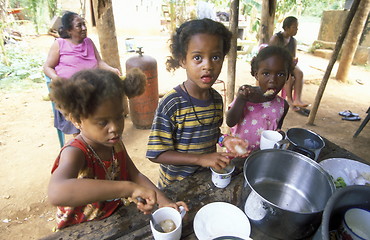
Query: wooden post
point(352, 40)
point(103, 13)
point(334, 57)
point(172, 17)
point(231, 60)
point(267, 20)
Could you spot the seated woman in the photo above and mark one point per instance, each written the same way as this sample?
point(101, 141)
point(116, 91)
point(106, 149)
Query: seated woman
point(70, 53)
point(295, 82)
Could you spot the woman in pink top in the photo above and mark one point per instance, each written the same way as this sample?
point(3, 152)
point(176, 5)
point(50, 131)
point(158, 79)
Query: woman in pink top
point(260, 108)
point(70, 53)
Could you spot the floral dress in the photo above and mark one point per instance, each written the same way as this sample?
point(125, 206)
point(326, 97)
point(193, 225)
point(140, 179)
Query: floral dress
point(257, 118)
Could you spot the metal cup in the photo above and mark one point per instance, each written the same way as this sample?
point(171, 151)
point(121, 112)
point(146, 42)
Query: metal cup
point(302, 141)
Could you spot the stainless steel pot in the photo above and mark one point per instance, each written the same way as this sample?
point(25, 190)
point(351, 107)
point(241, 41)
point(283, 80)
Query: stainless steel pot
point(285, 193)
point(303, 141)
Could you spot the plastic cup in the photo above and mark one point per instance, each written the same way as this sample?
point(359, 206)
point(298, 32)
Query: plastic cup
point(222, 178)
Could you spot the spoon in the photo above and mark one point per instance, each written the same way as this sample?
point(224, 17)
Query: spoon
point(156, 226)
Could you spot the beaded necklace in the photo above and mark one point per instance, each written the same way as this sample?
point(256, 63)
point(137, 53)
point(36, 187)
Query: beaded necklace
point(110, 176)
point(196, 116)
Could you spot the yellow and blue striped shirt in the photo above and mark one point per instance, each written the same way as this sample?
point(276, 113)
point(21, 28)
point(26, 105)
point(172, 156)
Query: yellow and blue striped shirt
point(176, 127)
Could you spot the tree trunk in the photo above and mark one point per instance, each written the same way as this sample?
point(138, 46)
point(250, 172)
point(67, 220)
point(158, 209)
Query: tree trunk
point(172, 17)
point(333, 59)
point(352, 40)
point(231, 63)
point(267, 20)
point(103, 13)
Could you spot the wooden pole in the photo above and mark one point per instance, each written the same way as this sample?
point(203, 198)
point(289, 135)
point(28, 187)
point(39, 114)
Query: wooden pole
point(352, 40)
point(231, 61)
point(267, 20)
point(103, 13)
point(332, 61)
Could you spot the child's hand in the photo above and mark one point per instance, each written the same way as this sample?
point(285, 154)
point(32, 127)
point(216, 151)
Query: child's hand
point(175, 205)
point(116, 71)
point(147, 199)
point(249, 93)
point(236, 146)
point(216, 160)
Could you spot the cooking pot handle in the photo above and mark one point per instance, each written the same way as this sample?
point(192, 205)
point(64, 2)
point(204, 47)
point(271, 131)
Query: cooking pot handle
point(282, 144)
point(304, 151)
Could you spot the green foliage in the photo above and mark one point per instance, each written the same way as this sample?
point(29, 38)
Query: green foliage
point(251, 9)
point(316, 8)
point(314, 47)
point(37, 11)
point(24, 69)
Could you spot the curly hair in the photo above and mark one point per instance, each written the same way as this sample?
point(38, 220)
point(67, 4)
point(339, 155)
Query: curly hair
point(268, 52)
point(180, 39)
point(79, 96)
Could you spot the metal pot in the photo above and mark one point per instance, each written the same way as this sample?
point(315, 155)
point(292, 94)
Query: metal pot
point(285, 193)
point(303, 141)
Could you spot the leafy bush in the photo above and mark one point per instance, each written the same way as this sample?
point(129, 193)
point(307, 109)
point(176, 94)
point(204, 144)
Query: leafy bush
point(23, 70)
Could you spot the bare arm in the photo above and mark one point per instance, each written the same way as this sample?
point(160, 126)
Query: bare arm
point(235, 114)
point(295, 49)
point(104, 65)
point(137, 177)
point(52, 61)
point(65, 189)
point(245, 93)
point(217, 160)
point(274, 40)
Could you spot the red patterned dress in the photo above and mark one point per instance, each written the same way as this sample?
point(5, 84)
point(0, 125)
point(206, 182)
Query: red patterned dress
point(67, 216)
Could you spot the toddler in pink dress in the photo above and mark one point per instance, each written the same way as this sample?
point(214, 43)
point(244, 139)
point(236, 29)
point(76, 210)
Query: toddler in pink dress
point(256, 109)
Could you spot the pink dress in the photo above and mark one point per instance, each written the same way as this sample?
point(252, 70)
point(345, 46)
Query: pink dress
point(258, 117)
point(72, 58)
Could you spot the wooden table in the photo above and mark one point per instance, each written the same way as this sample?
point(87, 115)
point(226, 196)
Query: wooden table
point(128, 223)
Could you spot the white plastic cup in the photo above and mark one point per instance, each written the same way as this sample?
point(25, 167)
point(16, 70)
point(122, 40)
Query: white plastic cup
point(166, 213)
point(269, 138)
point(222, 179)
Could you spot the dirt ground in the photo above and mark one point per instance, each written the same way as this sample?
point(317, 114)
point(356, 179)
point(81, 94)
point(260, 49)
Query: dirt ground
point(29, 144)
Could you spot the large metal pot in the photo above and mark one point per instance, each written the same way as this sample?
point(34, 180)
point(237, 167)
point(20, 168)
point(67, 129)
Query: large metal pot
point(303, 141)
point(285, 193)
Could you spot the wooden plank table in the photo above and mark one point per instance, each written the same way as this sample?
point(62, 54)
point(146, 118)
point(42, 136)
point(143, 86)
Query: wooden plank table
point(198, 190)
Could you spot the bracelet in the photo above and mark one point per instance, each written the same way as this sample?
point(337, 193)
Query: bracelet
point(221, 139)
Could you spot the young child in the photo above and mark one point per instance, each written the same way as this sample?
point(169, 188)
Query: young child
point(94, 171)
point(259, 108)
point(187, 124)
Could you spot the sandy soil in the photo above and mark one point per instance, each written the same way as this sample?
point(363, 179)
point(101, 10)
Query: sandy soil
point(29, 144)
